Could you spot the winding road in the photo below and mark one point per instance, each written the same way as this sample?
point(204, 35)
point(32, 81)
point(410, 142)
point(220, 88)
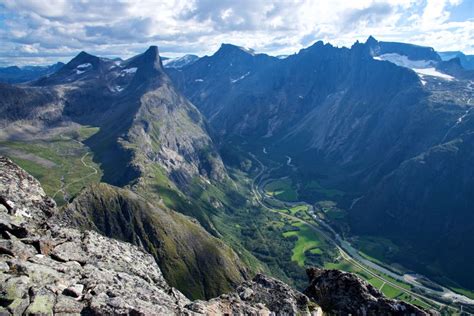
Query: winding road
point(94, 172)
point(346, 251)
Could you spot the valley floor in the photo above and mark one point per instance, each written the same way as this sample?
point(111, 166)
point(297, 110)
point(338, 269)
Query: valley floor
point(314, 236)
point(62, 163)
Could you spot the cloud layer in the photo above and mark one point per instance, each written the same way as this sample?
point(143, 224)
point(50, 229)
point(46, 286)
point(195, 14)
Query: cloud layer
point(39, 32)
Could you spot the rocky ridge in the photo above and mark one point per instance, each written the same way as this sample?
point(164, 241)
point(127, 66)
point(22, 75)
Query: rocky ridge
point(344, 293)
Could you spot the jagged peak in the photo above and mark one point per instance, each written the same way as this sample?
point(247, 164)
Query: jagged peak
point(371, 40)
point(148, 61)
point(317, 46)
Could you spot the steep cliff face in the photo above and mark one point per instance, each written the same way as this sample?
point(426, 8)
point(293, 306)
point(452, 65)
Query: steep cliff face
point(440, 181)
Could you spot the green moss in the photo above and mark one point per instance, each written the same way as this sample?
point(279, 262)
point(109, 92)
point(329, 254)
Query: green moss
point(316, 251)
point(41, 305)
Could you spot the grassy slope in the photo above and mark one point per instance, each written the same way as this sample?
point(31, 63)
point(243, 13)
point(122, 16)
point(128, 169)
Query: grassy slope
point(191, 260)
point(51, 160)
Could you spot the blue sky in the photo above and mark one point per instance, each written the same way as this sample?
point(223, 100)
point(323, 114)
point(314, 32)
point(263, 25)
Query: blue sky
point(43, 32)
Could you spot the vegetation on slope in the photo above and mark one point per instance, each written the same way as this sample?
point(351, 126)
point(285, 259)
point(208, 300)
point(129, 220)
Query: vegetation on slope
point(199, 265)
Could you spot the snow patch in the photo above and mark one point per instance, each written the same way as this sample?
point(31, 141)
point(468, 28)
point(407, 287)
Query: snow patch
point(421, 67)
point(403, 61)
point(432, 72)
point(117, 89)
point(180, 62)
point(130, 70)
point(84, 66)
point(240, 78)
point(247, 50)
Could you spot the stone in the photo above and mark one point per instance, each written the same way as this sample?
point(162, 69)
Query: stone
point(42, 303)
point(69, 251)
point(343, 293)
point(66, 305)
point(74, 290)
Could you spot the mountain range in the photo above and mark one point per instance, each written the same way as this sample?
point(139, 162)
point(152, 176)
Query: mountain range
point(382, 122)
point(166, 156)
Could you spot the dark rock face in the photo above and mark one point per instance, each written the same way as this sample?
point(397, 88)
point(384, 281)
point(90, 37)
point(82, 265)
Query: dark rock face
point(276, 296)
point(342, 293)
point(440, 180)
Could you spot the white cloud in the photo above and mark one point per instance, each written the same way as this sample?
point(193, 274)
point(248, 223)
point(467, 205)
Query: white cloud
point(58, 29)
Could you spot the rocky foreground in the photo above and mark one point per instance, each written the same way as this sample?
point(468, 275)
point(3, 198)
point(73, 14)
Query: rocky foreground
point(47, 268)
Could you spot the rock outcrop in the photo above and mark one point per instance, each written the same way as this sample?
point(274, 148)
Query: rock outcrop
point(47, 268)
point(342, 293)
point(262, 294)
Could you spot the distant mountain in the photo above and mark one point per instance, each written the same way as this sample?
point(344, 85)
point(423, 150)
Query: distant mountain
point(15, 74)
point(180, 62)
point(151, 140)
point(207, 81)
point(413, 52)
point(355, 119)
point(135, 105)
point(467, 61)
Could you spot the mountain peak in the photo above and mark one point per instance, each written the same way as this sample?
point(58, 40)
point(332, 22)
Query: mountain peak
point(152, 50)
point(231, 48)
point(83, 58)
point(371, 40)
point(152, 57)
point(148, 61)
